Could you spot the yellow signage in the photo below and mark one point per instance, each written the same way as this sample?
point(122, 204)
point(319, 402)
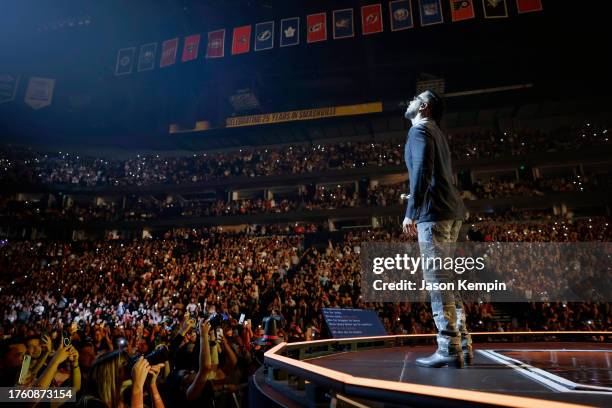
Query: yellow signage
point(304, 114)
point(201, 125)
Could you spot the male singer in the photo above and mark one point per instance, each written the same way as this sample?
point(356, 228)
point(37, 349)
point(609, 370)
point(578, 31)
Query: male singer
point(435, 212)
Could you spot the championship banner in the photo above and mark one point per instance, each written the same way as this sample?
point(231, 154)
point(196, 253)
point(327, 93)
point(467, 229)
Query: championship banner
point(39, 92)
point(190, 48)
point(216, 44)
point(462, 10)
point(241, 40)
point(344, 24)
point(304, 114)
point(169, 51)
point(290, 32)
point(371, 19)
point(528, 6)
point(431, 12)
point(8, 87)
point(146, 58)
point(400, 15)
point(264, 36)
point(495, 8)
point(125, 61)
point(317, 27)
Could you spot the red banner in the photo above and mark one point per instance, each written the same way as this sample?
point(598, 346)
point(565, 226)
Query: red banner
point(462, 10)
point(371, 19)
point(241, 40)
point(527, 6)
point(317, 27)
point(169, 50)
point(216, 44)
point(190, 48)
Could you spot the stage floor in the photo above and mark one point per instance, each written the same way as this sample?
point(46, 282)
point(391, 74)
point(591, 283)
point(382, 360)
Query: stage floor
point(570, 372)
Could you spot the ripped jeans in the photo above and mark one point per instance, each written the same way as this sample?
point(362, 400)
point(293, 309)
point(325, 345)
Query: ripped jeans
point(446, 306)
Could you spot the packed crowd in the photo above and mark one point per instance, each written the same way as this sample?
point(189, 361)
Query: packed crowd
point(482, 144)
point(71, 169)
point(494, 187)
point(321, 197)
point(556, 229)
point(234, 272)
point(19, 165)
point(330, 198)
point(179, 319)
point(383, 195)
point(116, 301)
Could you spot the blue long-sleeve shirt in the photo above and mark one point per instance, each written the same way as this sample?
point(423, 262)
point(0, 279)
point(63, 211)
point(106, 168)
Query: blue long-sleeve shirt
point(433, 197)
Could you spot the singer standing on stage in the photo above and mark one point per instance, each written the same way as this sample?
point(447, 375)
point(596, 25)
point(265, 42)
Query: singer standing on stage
point(435, 212)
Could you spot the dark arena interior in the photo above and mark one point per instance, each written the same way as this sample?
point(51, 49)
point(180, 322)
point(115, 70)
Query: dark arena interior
point(196, 196)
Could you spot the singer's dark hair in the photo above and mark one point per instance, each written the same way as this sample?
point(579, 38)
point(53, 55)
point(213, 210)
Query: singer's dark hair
point(436, 104)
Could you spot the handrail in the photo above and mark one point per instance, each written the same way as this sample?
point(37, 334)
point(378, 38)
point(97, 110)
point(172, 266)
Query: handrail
point(421, 335)
point(347, 383)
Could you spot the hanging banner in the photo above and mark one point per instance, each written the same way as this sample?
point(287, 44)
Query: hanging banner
point(461, 10)
point(8, 87)
point(401, 15)
point(241, 40)
point(371, 19)
point(290, 32)
point(216, 44)
point(528, 6)
point(190, 48)
point(431, 12)
point(39, 92)
point(125, 61)
point(304, 114)
point(317, 28)
point(146, 57)
point(264, 36)
point(169, 51)
point(344, 24)
point(495, 8)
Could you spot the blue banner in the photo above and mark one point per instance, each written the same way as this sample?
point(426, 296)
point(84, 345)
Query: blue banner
point(290, 32)
point(344, 24)
point(401, 15)
point(125, 61)
point(264, 36)
point(146, 58)
point(431, 12)
point(495, 8)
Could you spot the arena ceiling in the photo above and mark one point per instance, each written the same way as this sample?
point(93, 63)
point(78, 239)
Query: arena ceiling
point(77, 42)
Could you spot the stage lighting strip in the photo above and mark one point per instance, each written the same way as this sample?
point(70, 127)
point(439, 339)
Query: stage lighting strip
point(477, 397)
point(553, 381)
point(433, 335)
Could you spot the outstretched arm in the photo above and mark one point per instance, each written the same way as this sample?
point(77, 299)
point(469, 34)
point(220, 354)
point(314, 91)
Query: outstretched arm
point(197, 386)
point(59, 357)
point(48, 347)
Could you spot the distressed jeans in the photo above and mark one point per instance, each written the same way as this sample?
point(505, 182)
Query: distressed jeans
point(446, 306)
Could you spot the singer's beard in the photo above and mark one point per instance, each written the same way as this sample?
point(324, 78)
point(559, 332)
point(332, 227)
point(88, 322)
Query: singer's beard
point(411, 112)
